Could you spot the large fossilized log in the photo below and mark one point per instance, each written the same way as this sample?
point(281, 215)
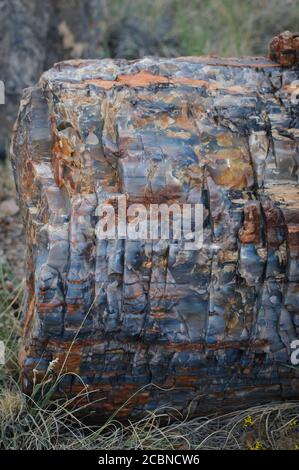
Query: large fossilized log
point(210, 328)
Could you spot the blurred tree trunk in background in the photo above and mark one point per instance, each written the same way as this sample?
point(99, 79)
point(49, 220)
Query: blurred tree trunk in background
point(23, 35)
point(74, 30)
point(33, 35)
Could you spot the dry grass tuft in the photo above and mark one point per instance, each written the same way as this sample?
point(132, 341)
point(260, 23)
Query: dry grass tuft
point(11, 404)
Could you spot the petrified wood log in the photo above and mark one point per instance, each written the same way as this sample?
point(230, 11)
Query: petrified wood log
point(210, 328)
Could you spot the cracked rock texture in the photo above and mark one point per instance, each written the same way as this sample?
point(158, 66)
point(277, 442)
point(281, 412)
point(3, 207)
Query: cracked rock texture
point(198, 330)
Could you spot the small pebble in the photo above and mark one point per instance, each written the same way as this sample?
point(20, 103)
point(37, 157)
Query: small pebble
point(9, 286)
point(9, 207)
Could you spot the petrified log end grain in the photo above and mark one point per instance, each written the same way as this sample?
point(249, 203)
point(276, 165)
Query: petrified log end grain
point(212, 326)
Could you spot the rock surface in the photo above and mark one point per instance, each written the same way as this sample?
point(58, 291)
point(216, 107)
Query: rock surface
point(9, 207)
point(197, 330)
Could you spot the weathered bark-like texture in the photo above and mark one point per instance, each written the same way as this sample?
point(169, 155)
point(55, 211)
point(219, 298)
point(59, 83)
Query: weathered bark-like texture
point(211, 328)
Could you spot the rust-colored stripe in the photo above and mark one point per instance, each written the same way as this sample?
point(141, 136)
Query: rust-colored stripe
point(145, 79)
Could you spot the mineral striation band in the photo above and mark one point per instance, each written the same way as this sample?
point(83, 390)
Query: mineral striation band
point(147, 321)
